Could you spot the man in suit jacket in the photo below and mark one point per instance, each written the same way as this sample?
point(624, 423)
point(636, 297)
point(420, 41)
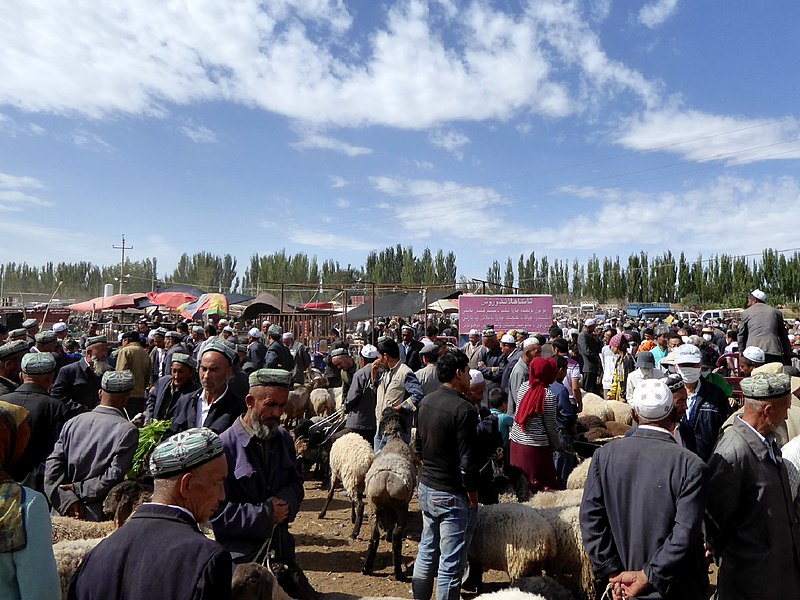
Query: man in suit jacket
point(278, 356)
point(80, 381)
point(763, 326)
point(411, 347)
point(256, 350)
point(213, 406)
point(173, 344)
point(164, 395)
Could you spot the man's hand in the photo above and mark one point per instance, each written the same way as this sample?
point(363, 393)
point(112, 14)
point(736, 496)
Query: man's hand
point(76, 510)
point(280, 510)
point(300, 446)
point(376, 369)
point(629, 584)
point(473, 499)
point(481, 364)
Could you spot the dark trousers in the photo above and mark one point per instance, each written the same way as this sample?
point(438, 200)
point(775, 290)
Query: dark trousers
point(590, 384)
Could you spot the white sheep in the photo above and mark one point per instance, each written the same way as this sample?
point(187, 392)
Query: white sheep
point(69, 555)
point(68, 529)
point(350, 458)
point(513, 538)
point(510, 594)
point(577, 479)
point(570, 564)
point(298, 406)
point(595, 405)
point(622, 411)
point(568, 497)
point(322, 402)
point(546, 586)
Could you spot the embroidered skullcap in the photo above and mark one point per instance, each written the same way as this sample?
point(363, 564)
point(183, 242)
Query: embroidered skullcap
point(764, 386)
point(185, 451)
point(754, 354)
point(38, 363)
point(173, 335)
point(12, 348)
point(688, 354)
point(254, 333)
point(757, 294)
point(197, 329)
point(652, 400)
point(475, 377)
point(270, 377)
point(508, 339)
point(18, 333)
point(275, 331)
point(489, 333)
point(216, 346)
point(339, 352)
point(674, 382)
point(30, 323)
point(184, 359)
point(45, 337)
point(59, 327)
point(369, 351)
point(117, 382)
point(241, 348)
point(96, 339)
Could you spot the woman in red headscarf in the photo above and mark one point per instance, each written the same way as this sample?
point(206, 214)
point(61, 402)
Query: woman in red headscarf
point(534, 435)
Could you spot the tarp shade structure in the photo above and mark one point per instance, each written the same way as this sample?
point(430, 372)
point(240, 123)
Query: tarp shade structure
point(171, 299)
point(266, 303)
point(444, 306)
point(237, 298)
point(319, 306)
point(207, 304)
point(193, 291)
point(401, 304)
point(115, 302)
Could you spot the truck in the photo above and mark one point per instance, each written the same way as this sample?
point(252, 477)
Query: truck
point(634, 310)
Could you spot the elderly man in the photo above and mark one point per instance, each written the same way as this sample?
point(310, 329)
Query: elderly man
point(752, 518)
point(173, 343)
point(80, 381)
point(256, 350)
point(132, 357)
point(342, 360)
point(359, 405)
point(427, 374)
point(397, 387)
point(645, 369)
point(300, 355)
point(763, 326)
point(264, 487)
point(448, 484)
point(164, 395)
point(46, 416)
point(189, 471)
point(11, 355)
point(589, 347)
point(492, 358)
point(278, 356)
point(410, 348)
point(531, 348)
point(157, 354)
point(31, 327)
point(752, 358)
point(648, 545)
point(472, 346)
point(477, 386)
point(214, 405)
point(93, 453)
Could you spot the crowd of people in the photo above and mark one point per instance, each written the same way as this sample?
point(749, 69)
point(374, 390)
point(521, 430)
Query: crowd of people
point(698, 477)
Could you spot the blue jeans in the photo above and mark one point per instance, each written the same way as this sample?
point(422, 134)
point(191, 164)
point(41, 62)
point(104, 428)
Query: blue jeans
point(564, 461)
point(448, 523)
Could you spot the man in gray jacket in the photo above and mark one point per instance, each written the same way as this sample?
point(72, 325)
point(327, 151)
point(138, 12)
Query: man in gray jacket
point(763, 326)
point(359, 405)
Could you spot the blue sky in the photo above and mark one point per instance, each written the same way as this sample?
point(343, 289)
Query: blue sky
point(332, 127)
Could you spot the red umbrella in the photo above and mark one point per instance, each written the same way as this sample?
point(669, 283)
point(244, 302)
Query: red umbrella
point(115, 302)
point(170, 299)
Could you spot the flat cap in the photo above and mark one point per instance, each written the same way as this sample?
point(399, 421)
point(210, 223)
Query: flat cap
point(185, 451)
point(764, 386)
point(216, 346)
point(184, 359)
point(275, 331)
point(59, 327)
point(38, 363)
point(96, 339)
point(117, 382)
point(269, 377)
point(429, 350)
point(30, 323)
point(45, 337)
point(339, 352)
point(160, 331)
point(18, 333)
point(173, 335)
point(11, 348)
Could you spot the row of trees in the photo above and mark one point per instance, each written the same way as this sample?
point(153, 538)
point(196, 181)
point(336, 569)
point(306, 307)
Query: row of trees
point(720, 279)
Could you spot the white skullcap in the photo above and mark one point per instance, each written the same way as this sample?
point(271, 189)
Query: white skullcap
point(759, 295)
point(508, 339)
point(754, 354)
point(227, 329)
point(287, 335)
point(686, 339)
point(151, 334)
point(589, 322)
point(254, 333)
point(474, 332)
point(119, 337)
point(531, 341)
point(59, 327)
point(688, 354)
point(265, 323)
point(427, 342)
point(475, 377)
point(222, 322)
point(369, 351)
point(652, 400)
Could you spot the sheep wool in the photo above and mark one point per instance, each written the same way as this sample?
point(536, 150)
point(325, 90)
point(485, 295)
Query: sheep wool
point(546, 586)
point(513, 538)
point(556, 498)
point(577, 479)
point(322, 402)
point(595, 405)
point(67, 529)
point(622, 411)
point(69, 555)
point(570, 564)
point(510, 594)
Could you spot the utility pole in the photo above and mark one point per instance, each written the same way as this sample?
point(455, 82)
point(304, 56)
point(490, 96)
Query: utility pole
point(122, 264)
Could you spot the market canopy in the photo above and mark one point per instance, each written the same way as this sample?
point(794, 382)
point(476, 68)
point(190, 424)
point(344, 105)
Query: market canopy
point(401, 304)
point(115, 302)
point(207, 304)
point(170, 299)
point(266, 303)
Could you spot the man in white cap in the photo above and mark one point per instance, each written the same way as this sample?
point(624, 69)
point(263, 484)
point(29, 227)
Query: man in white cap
point(752, 357)
point(301, 356)
point(472, 346)
point(763, 326)
point(589, 347)
point(707, 405)
point(410, 347)
point(492, 359)
point(646, 543)
point(427, 374)
point(256, 349)
point(477, 386)
point(359, 405)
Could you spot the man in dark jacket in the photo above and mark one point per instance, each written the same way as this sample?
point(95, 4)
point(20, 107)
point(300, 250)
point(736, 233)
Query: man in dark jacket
point(11, 355)
point(173, 344)
point(256, 350)
point(264, 487)
point(164, 395)
point(491, 362)
point(589, 347)
point(214, 405)
point(278, 356)
point(359, 405)
point(80, 381)
point(657, 554)
point(189, 470)
point(411, 347)
point(763, 326)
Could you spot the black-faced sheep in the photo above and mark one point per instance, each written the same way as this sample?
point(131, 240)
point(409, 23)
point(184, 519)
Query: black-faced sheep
point(350, 458)
point(547, 587)
point(390, 483)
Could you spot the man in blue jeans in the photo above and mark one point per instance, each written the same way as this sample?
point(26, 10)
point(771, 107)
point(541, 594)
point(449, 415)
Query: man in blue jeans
point(448, 489)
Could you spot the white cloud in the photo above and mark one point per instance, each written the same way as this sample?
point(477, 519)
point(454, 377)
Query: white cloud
point(703, 137)
point(90, 141)
point(654, 14)
point(338, 182)
point(13, 128)
point(451, 140)
point(313, 140)
point(328, 240)
point(423, 165)
point(199, 134)
point(17, 197)
point(12, 196)
point(422, 65)
point(15, 181)
point(343, 203)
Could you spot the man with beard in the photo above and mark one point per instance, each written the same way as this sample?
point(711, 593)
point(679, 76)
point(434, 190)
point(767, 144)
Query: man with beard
point(91, 332)
point(264, 488)
point(164, 395)
point(80, 381)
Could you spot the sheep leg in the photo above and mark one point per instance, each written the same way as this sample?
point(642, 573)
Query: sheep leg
point(397, 553)
point(327, 500)
point(359, 515)
point(372, 550)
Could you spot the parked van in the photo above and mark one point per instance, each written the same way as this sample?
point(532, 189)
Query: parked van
point(718, 314)
point(687, 315)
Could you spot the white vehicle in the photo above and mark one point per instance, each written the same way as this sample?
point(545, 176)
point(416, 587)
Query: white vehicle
point(687, 315)
point(718, 314)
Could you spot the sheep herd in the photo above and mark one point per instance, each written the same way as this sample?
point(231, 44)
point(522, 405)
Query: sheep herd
point(525, 539)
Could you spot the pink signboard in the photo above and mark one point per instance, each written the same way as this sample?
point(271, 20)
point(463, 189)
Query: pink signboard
point(533, 313)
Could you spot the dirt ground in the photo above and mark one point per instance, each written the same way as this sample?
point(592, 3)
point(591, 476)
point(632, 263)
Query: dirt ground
point(333, 563)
